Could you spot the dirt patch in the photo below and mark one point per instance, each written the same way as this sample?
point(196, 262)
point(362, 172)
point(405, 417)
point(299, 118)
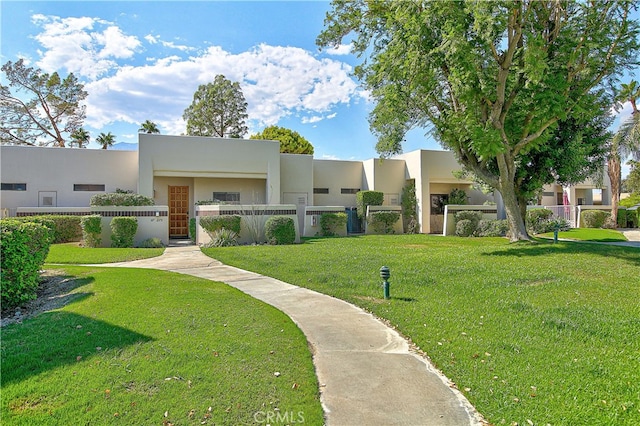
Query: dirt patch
point(56, 290)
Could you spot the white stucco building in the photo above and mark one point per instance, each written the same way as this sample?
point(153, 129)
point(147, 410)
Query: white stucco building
point(179, 171)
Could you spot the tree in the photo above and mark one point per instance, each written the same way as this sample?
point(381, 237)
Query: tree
point(80, 137)
point(43, 108)
point(493, 80)
point(106, 140)
point(624, 143)
point(148, 127)
point(218, 109)
point(632, 182)
point(291, 142)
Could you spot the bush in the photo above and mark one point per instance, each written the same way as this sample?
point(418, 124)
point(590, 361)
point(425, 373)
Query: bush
point(65, 228)
point(410, 208)
point(223, 238)
point(123, 230)
point(382, 221)
point(214, 223)
point(457, 196)
point(23, 249)
point(471, 215)
point(331, 222)
point(280, 230)
point(91, 230)
point(192, 229)
point(465, 228)
point(151, 243)
point(537, 221)
point(492, 228)
point(121, 199)
point(368, 198)
point(593, 218)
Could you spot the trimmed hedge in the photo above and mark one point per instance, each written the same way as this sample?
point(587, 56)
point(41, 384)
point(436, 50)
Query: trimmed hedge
point(280, 230)
point(214, 223)
point(91, 230)
point(23, 248)
point(121, 199)
point(65, 228)
point(492, 228)
point(192, 229)
point(466, 228)
point(123, 230)
point(368, 198)
point(593, 218)
point(151, 243)
point(331, 222)
point(382, 221)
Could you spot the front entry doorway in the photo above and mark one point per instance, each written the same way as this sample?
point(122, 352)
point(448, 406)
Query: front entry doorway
point(178, 211)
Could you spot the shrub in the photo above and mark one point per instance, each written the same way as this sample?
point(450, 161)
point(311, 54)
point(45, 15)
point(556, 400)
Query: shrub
point(121, 199)
point(331, 222)
point(457, 196)
point(593, 218)
point(223, 238)
point(465, 228)
point(471, 215)
point(368, 198)
point(214, 223)
point(23, 249)
point(192, 229)
point(65, 228)
point(91, 230)
point(151, 243)
point(123, 230)
point(280, 230)
point(410, 208)
point(632, 200)
point(537, 221)
point(382, 221)
point(492, 228)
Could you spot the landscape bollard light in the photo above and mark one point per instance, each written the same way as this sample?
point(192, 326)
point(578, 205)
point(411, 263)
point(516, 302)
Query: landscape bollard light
point(385, 274)
point(555, 233)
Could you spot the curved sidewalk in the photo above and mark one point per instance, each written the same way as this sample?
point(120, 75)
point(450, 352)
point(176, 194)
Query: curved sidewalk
point(367, 372)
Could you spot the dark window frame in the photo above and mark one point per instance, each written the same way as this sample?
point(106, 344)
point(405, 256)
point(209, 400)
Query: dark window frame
point(89, 187)
point(232, 197)
point(320, 190)
point(349, 190)
point(13, 186)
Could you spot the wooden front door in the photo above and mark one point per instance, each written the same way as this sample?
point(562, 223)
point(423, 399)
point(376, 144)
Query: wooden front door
point(178, 211)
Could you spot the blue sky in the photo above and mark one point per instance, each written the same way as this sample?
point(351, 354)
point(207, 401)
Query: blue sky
point(144, 60)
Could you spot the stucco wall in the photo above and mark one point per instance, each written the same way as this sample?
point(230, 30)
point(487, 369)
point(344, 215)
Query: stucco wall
point(296, 176)
point(335, 175)
point(387, 176)
point(56, 170)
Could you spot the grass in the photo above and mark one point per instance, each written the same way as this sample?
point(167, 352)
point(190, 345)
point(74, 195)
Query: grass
point(589, 234)
point(152, 347)
point(530, 332)
point(72, 253)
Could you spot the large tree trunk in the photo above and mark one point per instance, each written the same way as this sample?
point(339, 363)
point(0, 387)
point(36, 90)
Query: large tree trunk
point(507, 189)
point(614, 170)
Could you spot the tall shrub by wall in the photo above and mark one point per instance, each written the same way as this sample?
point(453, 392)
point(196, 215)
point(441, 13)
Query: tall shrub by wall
point(330, 222)
point(65, 228)
point(120, 199)
point(214, 223)
point(91, 230)
point(368, 198)
point(280, 230)
point(382, 221)
point(123, 230)
point(593, 218)
point(23, 249)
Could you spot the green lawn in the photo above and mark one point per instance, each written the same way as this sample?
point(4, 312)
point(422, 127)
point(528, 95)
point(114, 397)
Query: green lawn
point(530, 332)
point(72, 253)
point(589, 234)
point(143, 347)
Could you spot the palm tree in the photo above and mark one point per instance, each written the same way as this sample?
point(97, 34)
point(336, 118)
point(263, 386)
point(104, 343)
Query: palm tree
point(106, 140)
point(80, 137)
point(625, 142)
point(148, 127)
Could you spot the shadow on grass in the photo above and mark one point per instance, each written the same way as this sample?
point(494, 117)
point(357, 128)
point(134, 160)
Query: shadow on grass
point(544, 248)
point(56, 339)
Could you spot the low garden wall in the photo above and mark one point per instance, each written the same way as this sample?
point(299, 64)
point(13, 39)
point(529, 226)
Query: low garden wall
point(397, 227)
point(312, 215)
point(449, 227)
point(253, 218)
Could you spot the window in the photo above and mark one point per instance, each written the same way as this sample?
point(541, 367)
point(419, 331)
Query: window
point(349, 190)
point(320, 190)
point(94, 187)
point(14, 187)
point(227, 197)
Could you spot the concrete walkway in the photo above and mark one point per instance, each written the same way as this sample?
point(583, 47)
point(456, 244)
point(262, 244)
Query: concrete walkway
point(367, 372)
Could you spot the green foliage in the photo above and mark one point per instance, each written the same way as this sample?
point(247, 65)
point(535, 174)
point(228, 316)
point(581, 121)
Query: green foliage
point(44, 108)
point(151, 243)
point(23, 249)
point(632, 182)
point(123, 231)
point(410, 208)
point(291, 142)
point(65, 228)
point(214, 223)
point(382, 221)
point(593, 218)
point(223, 237)
point(457, 197)
point(120, 199)
point(192, 229)
point(330, 222)
point(218, 109)
point(472, 215)
point(280, 230)
point(149, 127)
point(105, 140)
point(492, 228)
point(91, 230)
point(632, 200)
point(466, 228)
point(538, 220)
point(368, 198)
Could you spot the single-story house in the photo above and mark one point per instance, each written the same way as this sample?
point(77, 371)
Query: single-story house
point(182, 171)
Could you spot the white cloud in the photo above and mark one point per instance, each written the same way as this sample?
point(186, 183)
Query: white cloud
point(343, 49)
point(151, 39)
point(314, 119)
